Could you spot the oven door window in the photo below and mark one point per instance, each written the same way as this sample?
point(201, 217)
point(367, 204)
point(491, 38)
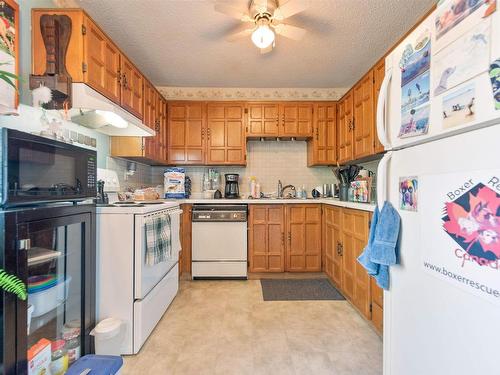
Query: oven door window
point(38, 170)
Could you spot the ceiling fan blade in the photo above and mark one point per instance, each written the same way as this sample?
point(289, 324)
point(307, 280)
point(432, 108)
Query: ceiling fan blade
point(289, 31)
point(266, 50)
point(290, 8)
point(239, 34)
point(231, 11)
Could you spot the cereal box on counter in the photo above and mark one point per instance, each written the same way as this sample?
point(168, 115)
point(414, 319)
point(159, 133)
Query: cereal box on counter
point(174, 180)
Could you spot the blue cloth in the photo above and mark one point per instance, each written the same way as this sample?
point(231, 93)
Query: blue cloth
point(380, 252)
point(99, 364)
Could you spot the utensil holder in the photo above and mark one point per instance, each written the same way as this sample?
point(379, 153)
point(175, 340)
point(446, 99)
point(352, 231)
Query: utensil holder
point(344, 192)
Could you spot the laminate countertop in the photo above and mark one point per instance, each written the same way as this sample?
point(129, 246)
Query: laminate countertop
point(329, 201)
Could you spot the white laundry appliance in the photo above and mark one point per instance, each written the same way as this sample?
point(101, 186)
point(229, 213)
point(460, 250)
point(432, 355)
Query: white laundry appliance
point(128, 288)
point(439, 121)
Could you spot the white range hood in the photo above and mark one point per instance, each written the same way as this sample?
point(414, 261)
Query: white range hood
point(95, 111)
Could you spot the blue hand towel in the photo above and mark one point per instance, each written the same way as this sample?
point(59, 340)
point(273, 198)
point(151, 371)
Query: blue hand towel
point(364, 259)
point(381, 249)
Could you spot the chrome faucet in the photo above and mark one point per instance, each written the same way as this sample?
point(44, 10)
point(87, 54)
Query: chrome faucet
point(291, 194)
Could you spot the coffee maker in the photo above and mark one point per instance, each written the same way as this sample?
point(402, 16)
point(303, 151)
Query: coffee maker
point(232, 190)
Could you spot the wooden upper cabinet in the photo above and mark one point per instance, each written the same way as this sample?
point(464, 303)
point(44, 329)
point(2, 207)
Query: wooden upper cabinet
point(132, 83)
point(355, 280)
point(296, 119)
point(345, 129)
point(263, 120)
point(75, 55)
point(101, 67)
point(266, 241)
point(363, 117)
point(322, 148)
point(378, 77)
point(161, 111)
point(303, 227)
point(186, 133)
point(226, 143)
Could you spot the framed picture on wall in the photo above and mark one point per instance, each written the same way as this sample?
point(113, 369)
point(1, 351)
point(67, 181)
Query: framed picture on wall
point(9, 56)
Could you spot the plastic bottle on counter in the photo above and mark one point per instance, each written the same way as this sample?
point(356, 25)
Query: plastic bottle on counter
point(257, 190)
point(252, 187)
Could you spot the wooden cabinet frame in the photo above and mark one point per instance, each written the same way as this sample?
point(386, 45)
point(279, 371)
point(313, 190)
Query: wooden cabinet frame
point(322, 147)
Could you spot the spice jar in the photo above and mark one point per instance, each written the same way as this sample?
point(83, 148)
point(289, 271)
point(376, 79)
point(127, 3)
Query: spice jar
point(71, 334)
point(59, 364)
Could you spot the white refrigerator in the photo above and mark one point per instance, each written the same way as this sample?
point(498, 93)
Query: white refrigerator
point(440, 124)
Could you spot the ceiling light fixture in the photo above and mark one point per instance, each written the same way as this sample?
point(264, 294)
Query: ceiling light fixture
point(263, 36)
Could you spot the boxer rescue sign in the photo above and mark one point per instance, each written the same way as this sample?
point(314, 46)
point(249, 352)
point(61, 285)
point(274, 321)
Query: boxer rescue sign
point(461, 230)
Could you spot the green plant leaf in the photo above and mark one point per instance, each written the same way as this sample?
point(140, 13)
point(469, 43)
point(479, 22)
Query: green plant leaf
point(9, 81)
point(8, 74)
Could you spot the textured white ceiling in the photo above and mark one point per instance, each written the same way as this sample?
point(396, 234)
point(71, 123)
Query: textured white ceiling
point(181, 42)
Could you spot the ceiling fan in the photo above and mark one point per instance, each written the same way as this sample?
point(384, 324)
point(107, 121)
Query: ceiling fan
point(267, 18)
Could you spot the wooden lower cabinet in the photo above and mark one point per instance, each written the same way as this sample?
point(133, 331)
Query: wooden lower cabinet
point(284, 238)
point(377, 301)
point(331, 243)
point(345, 235)
point(185, 236)
point(266, 239)
point(303, 228)
point(355, 280)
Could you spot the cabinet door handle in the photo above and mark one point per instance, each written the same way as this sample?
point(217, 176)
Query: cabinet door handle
point(208, 133)
point(202, 134)
point(290, 238)
point(283, 238)
point(317, 134)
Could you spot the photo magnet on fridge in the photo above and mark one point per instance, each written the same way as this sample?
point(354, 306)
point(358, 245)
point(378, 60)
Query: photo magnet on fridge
point(462, 60)
point(495, 82)
point(451, 13)
point(461, 232)
point(459, 106)
point(408, 193)
point(415, 122)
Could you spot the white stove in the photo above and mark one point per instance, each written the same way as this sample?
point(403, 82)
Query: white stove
point(127, 288)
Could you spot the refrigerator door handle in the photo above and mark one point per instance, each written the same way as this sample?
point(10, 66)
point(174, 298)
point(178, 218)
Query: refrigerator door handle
point(382, 180)
point(382, 98)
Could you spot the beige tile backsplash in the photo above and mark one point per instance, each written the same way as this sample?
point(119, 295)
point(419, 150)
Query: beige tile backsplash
point(269, 162)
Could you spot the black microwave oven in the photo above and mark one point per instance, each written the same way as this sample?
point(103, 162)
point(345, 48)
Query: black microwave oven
point(41, 170)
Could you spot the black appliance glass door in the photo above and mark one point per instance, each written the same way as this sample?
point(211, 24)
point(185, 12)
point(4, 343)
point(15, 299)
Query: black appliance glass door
point(55, 260)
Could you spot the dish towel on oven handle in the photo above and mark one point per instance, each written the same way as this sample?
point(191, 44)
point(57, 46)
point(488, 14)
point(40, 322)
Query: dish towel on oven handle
point(158, 239)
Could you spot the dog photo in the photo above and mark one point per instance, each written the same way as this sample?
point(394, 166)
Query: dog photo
point(408, 193)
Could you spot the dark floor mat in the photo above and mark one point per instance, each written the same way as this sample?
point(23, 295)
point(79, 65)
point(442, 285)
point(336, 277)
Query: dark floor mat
point(299, 290)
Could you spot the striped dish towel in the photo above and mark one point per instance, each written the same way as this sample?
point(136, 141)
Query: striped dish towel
point(158, 240)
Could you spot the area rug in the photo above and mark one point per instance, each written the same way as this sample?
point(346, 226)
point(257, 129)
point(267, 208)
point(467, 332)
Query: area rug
point(299, 290)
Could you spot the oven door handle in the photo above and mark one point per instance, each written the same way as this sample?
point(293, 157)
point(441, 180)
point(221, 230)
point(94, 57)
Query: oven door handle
point(175, 212)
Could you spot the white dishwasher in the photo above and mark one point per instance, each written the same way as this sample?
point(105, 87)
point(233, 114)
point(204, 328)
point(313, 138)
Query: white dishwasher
point(219, 241)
